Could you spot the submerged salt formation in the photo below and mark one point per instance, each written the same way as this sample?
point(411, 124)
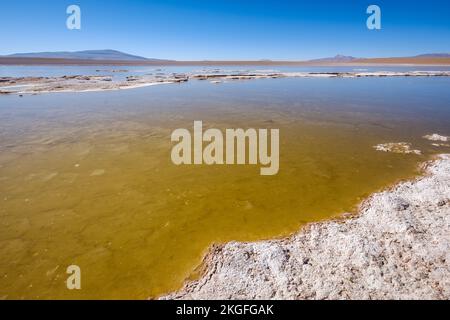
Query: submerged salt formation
point(397, 147)
point(440, 145)
point(398, 247)
point(436, 137)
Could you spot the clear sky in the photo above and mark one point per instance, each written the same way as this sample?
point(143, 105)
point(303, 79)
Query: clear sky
point(228, 29)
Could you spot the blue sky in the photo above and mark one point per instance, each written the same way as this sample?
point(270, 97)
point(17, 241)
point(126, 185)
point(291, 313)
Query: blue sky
point(228, 29)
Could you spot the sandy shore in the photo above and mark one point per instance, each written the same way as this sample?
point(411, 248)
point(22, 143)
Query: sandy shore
point(84, 83)
point(396, 247)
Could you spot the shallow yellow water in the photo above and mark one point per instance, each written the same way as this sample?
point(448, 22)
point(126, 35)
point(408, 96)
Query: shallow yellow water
point(104, 195)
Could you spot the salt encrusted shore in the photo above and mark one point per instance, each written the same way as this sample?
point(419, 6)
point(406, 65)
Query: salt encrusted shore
point(83, 83)
point(396, 247)
point(77, 83)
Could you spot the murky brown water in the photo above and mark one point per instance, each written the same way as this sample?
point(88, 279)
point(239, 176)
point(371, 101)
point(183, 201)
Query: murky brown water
point(87, 179)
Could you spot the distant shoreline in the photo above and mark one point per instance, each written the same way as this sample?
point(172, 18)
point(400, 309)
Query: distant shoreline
point(85, 83)
point(14, 61)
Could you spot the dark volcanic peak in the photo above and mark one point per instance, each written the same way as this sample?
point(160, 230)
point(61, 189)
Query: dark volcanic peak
point(82, 55)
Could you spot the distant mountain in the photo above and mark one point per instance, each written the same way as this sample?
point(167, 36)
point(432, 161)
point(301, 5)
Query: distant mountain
point(343, 59)
point(434, 55)
point(107, 55)
point(337, 58)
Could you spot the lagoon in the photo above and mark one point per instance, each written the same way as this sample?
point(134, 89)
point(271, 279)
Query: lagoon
point(87, 178)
